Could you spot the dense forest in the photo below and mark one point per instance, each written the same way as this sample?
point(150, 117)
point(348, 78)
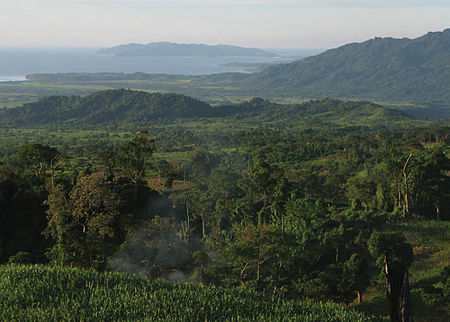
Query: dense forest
point(313, 201)
point(127, 109)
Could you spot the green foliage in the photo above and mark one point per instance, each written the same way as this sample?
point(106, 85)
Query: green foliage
point(22, 216)
point(85, 225)
point(107, 108)
point(279, 199)
point(391, 248)
point(130, 109)
point(395, 255)
point(133, 156)
point(356, 277)
point(21, 258)
point(37, 157)
point(39, 292)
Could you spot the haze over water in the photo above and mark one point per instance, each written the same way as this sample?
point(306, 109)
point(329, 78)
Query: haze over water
point(17, 63)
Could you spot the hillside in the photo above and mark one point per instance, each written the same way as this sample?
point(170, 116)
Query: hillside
point(103, 108)
point(173, 49)
point(382, 68)
point(52, 293)
point(126, 108)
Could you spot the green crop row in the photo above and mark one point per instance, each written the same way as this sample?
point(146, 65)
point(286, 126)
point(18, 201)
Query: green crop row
point(53, 293)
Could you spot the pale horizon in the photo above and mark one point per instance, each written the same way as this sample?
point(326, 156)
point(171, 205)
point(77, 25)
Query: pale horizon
point(267, 24)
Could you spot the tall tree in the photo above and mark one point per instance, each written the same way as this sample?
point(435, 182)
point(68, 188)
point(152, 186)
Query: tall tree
point(85, 224)
point(133, 158)
point(395, 255)
point(37, 158)
point(105, 160)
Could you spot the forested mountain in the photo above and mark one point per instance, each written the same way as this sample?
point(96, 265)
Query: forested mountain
point(173, 49)
point(136, 108)
point(383, 68)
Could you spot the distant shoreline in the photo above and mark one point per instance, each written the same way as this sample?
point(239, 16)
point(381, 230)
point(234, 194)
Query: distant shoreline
point(4, 79)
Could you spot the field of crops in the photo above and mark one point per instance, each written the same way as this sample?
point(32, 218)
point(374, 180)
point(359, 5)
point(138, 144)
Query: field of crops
point(52, 293)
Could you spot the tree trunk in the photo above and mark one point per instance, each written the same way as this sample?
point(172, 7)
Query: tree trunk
point(405, 300)
point(135, 192)
point(394, 281)
point(360, 298)
point(405, 179)
point(437, 211)
point(53, 178)
point(203, 225)
point(187, 215)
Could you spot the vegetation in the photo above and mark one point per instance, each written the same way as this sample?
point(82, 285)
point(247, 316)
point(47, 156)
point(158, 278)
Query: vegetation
point(128, 109)
point(286, 204)
point(380, 68)
point(407, 74)
point(39, 292)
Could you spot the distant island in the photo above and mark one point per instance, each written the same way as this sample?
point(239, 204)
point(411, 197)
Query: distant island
point(173, 49)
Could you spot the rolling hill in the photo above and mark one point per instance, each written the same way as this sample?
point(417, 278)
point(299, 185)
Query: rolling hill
point(103, 108)
point(127, 108)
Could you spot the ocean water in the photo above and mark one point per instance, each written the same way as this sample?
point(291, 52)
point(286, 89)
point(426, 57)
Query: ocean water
point(16, 63)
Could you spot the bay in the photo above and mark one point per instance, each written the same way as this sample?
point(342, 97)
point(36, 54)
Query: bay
point(81, 60)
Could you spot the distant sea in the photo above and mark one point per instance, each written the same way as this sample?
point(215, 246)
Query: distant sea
point(15, 64)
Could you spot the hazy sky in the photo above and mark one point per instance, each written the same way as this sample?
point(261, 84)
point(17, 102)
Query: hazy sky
point(251, 23)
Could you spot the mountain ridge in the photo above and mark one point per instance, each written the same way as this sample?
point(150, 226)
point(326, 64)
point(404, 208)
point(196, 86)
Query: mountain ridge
point(381, 68)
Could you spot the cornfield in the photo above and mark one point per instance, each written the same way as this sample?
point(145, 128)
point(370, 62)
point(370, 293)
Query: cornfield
point(36, 292)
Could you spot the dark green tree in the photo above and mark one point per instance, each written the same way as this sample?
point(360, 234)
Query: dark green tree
point(133, 158)
point(355, 278)
point(395, 255)
point(105, 160)
point(38, 158)
point(85, 224)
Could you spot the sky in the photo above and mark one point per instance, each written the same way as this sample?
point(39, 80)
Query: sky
point(248, 23)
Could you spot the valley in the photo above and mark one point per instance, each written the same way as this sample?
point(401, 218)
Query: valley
point(316, 190)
